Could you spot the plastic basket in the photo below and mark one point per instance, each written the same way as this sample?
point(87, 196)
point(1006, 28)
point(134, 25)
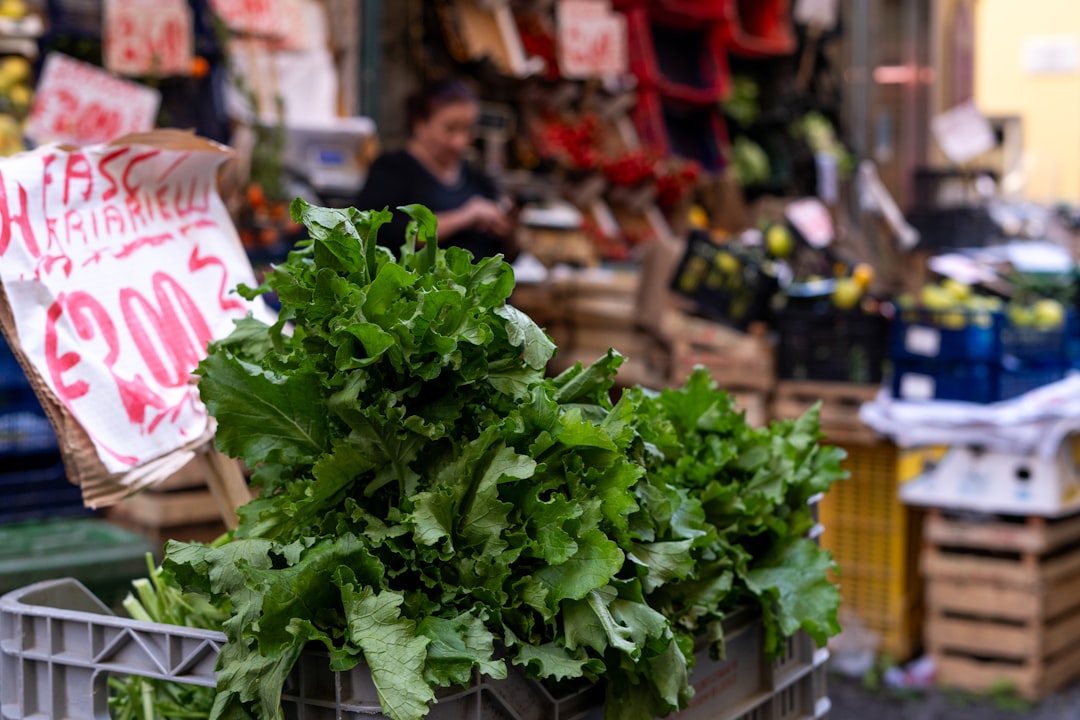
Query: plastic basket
point(916, 380)
point(59, 645)
point(1036, 346)
point(960, 227)
point(876, 542)
point(34, 487)
point(976, 382)
point(103, 557)
point(1015, 381)
point(694, 11)
point(735, 292)
point(823, 343)
point(673, 127)
point(957, 335)
point(682, 58)
point(937, 188)
point(760, 28)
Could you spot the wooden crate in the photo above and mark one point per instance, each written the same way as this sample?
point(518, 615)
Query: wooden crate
point(737, 361)
point(840, 403)
point(1003, 601)
point(180, 508)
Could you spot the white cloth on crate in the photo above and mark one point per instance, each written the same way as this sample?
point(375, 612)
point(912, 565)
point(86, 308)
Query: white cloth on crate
point(1033, 423)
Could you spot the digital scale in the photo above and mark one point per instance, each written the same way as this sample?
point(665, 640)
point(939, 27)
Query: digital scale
point(329, 156)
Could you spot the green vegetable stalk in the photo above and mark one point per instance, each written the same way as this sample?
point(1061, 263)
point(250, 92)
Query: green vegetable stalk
point(433, 505)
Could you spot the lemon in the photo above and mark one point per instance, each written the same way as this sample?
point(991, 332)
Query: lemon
point(728, 263)
point(779, 242)
point(846, 293)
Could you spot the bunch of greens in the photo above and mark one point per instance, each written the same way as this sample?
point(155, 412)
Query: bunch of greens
point(155, 599)
point(435, 506)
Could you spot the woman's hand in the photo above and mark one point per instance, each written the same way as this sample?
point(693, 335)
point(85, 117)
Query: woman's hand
point(487, 216)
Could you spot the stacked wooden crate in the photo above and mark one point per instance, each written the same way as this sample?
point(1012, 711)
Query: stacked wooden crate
point(1003, 601)
point(840, 403)
point(180, 508)
point(744, 364)
point(597, 310)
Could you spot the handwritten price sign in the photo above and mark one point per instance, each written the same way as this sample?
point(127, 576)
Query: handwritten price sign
point(148, 37)
point(252, 17)
point(118, 262)
point(80, 104)
point(591, 40)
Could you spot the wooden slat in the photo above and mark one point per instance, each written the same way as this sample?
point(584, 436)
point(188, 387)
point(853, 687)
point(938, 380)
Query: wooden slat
point(731, 372)
point(977, 676)
point(973, 568)
point(167, 509)
point(1032, 681)
point(840, 404)
point(1061, 596)
point(937, 564)
point(981, 637)
point(1035, 535)
point(983, 599)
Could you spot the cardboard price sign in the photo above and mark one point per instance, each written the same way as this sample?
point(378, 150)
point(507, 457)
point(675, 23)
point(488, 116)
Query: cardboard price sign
point(591, 41)
point(117, 264)
point(80, 104)
point(252, 17)
point(148, 37)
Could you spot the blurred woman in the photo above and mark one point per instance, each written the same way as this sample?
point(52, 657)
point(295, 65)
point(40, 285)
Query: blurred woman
point(431, 170)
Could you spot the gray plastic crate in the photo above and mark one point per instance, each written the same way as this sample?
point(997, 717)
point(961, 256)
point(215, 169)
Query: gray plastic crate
point(745, 686)
point(59, 645)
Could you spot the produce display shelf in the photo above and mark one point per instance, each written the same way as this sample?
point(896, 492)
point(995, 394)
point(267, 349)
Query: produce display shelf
point(59, 645)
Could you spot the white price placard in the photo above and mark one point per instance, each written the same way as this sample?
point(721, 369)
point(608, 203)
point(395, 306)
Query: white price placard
point(963, 133)
point(591, 40)
point(148, 37)
point(118, 263)
point(80, 104)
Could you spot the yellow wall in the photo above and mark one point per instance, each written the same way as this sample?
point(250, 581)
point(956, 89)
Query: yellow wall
point(1048, 104)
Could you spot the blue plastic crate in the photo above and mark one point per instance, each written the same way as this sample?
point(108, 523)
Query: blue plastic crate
point(34, 487)
point(952, 335)
point(25, 430)
point(1015, 381)
point(934, 380)
point(970, 382)
point(1042, 347)
point(12, 376)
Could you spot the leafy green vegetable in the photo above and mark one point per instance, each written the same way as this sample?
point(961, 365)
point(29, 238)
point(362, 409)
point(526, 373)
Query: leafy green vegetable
point(433, 505)
point(157, 600)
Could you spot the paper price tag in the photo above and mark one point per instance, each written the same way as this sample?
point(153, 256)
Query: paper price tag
point(591, 40)
point(963, 133)
point(917, 387)
point(118, 264)
point(813, 222)
point(925, 341)
point(148, 37)
point(81, 104)
point(252, 17)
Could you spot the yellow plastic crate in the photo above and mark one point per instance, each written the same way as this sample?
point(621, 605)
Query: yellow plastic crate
point(876, 542)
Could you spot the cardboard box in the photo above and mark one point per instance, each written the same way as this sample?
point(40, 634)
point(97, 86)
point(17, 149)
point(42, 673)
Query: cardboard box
point(971, 478)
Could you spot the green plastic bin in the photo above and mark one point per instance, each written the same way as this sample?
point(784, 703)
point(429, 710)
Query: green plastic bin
point(103, 557)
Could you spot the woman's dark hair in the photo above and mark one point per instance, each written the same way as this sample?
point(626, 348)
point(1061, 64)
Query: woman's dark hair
point(426, 101)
